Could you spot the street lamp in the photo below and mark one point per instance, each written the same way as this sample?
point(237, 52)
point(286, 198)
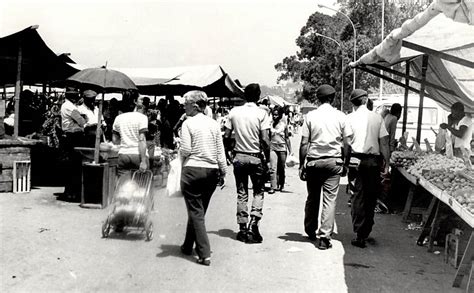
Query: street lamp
point(342, 65)
point(355, 40)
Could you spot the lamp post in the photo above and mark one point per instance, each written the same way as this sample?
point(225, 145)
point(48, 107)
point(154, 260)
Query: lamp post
point(342, 65)
point(355, 41)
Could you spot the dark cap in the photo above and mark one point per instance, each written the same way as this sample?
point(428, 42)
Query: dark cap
point(324, 90)
point(89, 94)
point(357, 93)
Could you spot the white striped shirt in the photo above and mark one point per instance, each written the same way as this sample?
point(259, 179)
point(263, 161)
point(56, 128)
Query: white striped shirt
point(201, 143)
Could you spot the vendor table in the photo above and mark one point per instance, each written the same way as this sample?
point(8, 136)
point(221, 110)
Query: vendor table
point(466, 267)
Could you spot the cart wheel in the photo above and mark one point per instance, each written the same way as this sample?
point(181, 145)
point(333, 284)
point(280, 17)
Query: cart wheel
point(149, 231)
point(106, 229)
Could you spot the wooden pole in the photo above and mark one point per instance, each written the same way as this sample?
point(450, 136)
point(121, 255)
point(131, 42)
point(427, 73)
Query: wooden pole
point(424, 67)
point(98, 130)
point(405, 105)
point(18, 90)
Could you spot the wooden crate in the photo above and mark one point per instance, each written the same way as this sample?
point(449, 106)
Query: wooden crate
point(9, 154)
point(21, 176)
point(98, 184)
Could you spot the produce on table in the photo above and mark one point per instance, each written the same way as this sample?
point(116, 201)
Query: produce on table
point(460, 188)
point(403, 159)
point(434, 162)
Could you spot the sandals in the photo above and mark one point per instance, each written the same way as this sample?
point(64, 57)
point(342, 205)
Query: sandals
point(204, 261)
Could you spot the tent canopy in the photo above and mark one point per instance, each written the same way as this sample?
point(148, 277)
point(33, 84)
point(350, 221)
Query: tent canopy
point(277, 100)
point(446, 45)
point(178, 80)
point(39, 63)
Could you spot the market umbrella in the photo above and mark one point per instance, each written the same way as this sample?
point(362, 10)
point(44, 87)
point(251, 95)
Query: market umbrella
point(102, 80)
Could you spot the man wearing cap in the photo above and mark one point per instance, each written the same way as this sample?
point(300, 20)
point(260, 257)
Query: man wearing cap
point(324, 134)
point(72, 124)
point(251, 126)
point(91, 114)
point(369, 141)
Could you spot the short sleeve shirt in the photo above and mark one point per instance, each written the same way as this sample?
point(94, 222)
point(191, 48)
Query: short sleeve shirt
point(68, 124)
point(368, 127)
point(325, 128)
point(464, 141)
point(247, 121)
point(129, 125)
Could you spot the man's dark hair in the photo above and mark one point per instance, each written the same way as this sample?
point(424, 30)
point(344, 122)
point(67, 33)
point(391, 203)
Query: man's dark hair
point(396, 110)
point(357, 102)
point(458, 106)
point(252, 92)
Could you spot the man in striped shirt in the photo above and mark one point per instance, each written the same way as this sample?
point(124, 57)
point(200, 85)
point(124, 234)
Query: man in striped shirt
point(204, 165)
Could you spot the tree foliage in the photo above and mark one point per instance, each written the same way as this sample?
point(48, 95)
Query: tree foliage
point(318, 60)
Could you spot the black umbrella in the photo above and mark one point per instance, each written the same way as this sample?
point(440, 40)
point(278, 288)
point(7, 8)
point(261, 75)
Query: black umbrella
point(102, 80)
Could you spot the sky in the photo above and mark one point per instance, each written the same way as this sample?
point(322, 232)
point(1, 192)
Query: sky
point(246, 37)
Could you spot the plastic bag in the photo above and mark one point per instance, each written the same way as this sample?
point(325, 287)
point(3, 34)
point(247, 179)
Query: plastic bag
point(440, 142)
point(173, 186)
point(291, 161)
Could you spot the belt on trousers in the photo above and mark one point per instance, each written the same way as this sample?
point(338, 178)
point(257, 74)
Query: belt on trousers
point(322, 158)
point(364, 156)
point(256, 155)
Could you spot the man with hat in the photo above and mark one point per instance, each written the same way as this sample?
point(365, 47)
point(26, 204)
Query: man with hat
point(91, 114)
point(251, 126)
point(324, 134)
point(72, 124)
point(369, 142)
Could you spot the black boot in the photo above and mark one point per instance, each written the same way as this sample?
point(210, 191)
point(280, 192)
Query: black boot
point(254, 233)
point(243, 232)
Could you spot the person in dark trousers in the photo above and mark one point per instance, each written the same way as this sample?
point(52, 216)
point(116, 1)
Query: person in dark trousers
point(324, 133)
point(204, 165)
point(251, 125)
point(369, 144)
point(72, 124)
point(280, 146)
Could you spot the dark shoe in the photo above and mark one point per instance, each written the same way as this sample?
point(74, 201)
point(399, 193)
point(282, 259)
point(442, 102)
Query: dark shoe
point(312, 237)
point(119, 228)
point(186, 251)
point(324, 243)
point(254, 235)
point(242, 236)
point(358, 242)
point(204, 261)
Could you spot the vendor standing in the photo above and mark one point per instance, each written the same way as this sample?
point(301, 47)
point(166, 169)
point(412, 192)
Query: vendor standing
point(72, 124)
point(91, 114)
point(460, 126)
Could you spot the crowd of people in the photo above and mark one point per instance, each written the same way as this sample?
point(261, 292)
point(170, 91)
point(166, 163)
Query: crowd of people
point(254, 139)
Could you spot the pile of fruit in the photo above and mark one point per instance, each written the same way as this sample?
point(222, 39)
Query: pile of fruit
point(434, 162)
point(465, 197)
point(455, 184)
point(403, 159)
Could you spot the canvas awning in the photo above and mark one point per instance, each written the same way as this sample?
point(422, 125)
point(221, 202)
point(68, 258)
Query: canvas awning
point(39, 63)
point(438, 52)
point(278, 101)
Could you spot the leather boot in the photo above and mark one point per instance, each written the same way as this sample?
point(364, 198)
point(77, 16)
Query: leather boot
point(243, 233)
point(254, 233)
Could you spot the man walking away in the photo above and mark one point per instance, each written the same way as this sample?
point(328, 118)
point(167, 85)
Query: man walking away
point(251, 125)
point(370, 139)
point(324, 134)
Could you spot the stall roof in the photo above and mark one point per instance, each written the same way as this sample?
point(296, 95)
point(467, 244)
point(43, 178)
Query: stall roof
point(39, 63)
point(449, 45)
point(159, 81)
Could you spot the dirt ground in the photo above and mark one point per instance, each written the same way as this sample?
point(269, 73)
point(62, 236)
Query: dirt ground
point(51, 245)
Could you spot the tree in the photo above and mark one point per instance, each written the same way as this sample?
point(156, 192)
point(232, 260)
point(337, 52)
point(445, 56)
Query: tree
point(319, 60)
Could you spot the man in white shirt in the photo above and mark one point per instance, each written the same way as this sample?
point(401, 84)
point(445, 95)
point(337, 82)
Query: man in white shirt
point(251, 126)
point(72, 124)
point(369, 141)
point(129, 131)
point(324, 134)
point(460, 126)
